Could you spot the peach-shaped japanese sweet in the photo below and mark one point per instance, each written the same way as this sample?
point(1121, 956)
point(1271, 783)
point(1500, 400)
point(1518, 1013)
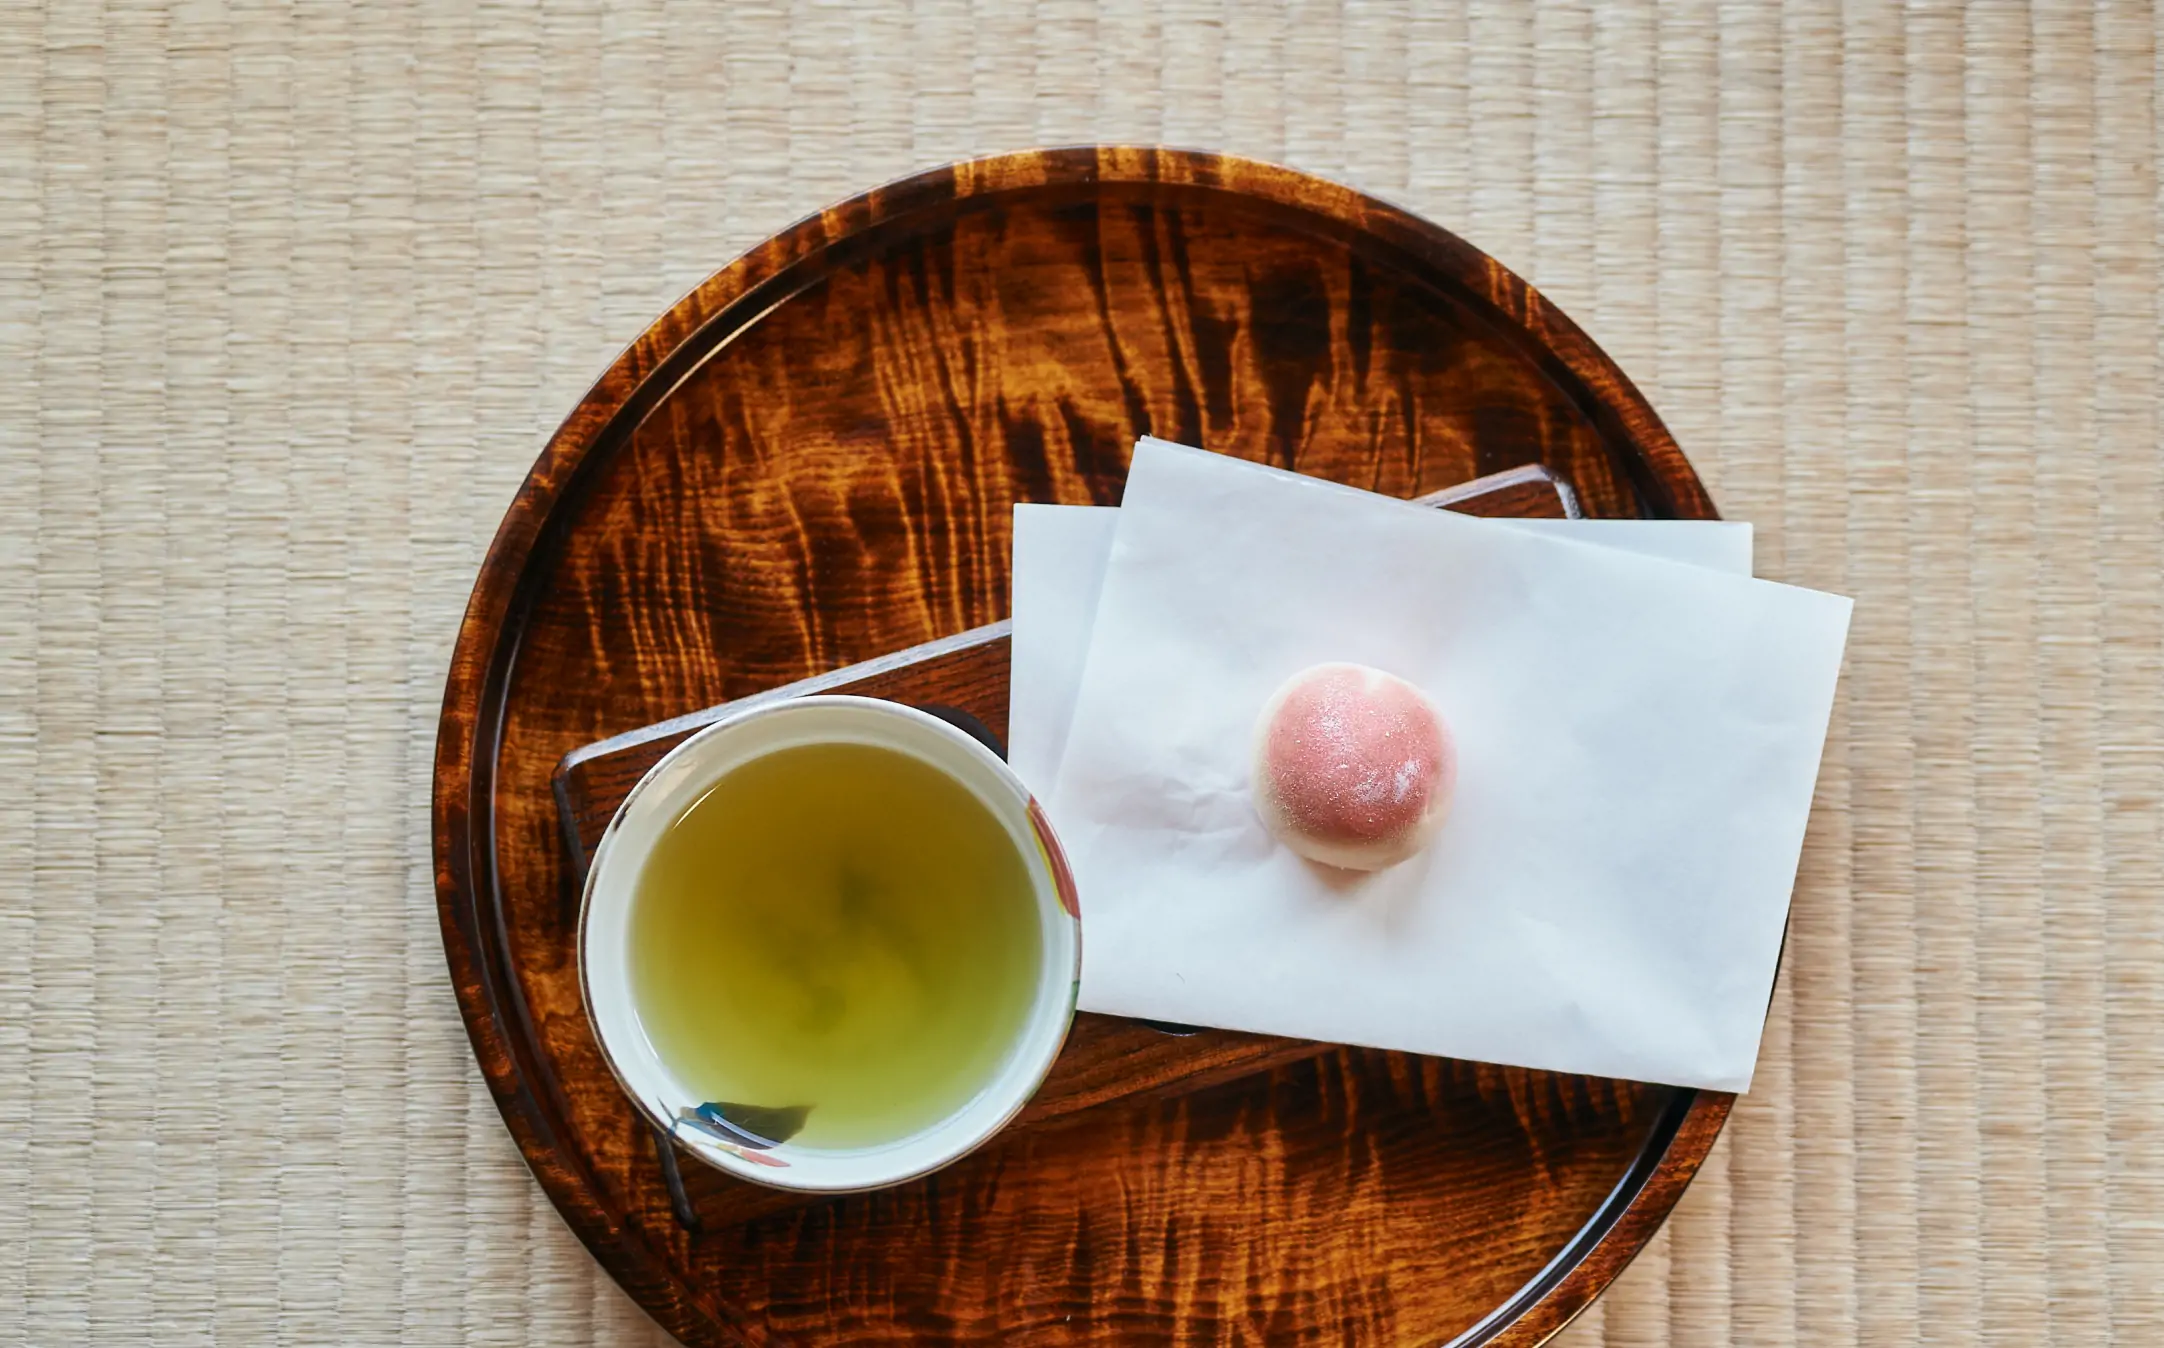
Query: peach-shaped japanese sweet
point(1354, 767)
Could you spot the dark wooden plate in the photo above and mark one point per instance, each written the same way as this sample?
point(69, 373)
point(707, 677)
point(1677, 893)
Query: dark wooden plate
point(809, 462)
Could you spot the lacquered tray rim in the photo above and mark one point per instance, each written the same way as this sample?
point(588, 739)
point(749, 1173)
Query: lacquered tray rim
point(666, 352)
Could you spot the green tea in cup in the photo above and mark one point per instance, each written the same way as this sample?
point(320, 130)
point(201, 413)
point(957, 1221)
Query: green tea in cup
point(829, 944)
point(841, 928)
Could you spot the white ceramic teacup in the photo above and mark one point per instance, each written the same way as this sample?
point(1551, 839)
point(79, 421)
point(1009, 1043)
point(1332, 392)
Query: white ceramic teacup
point(678, 780)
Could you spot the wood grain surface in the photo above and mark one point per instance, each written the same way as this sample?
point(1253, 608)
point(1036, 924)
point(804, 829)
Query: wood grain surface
point(810, 461)
point(1105, 1058)
point(968, 671)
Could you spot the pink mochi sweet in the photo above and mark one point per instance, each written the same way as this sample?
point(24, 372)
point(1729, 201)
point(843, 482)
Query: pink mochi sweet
point(1354, 767)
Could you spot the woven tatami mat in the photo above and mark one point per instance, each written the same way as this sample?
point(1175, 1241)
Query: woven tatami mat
point(291, 293)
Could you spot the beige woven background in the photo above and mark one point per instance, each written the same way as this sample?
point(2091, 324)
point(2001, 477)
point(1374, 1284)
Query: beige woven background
point(291, 292)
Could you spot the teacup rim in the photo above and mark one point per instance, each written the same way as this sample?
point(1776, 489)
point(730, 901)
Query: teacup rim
point(1050, 872)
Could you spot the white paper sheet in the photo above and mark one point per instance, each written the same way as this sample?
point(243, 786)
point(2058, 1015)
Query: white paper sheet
point(1638, 742)
point(1059, 566)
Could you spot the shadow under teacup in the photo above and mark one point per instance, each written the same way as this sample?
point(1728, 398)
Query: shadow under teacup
point(828, 960)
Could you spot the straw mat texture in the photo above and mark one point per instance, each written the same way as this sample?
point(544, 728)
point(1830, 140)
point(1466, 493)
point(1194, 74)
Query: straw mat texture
point(290, 294)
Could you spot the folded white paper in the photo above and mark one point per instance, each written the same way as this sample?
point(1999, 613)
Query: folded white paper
point(1637, 739)
point(1059, 565)
point(1060, 553)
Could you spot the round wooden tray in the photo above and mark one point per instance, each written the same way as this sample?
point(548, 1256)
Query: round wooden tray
point(809, 461)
